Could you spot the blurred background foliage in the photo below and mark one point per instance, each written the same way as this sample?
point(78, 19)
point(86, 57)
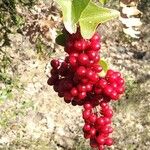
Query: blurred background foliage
point(11, 22)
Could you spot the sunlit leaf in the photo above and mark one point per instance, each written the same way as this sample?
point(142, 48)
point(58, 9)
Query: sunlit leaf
point(105, 67)
point(103, 1)
point(72, 10)
point(92, 16)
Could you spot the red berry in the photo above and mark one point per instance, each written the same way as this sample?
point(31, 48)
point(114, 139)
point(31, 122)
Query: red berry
point(100, 147)
point(109, 73)
point(84, 80)
point(89, 73)
point(87, 135)
point(114, 85)
point(87, 106)
point(81, 88)
point(100, 140)
point(92, 132)
point(74, 54)
point(52, 80)
point(98, 90)
point(100, 121)
point(73, 60)
point(82, 95)
point(97, 59)
point(107, 113)
point(95, 38)
point(83, 59)
point(89, 87)
point(92, 118)
point(110, 129)
point(95, 46)
point(105, 129)
point(67, 96)
point(92, 54)
point(86, 114)
point(107, 120)
point(114, 95)
point(81, 71)
point(102, 83)
point(93, 143)
point(109, 142)
point(97, 68)
point(74, 91)
point(86, 127)
point(94, 78)
point(118, 74)
point(80, 45)
point(112, 78)
point(120, 81)
point(103, 104)
point(55, 63)
point(120, 90)
point(67, 100)
point(108, 89)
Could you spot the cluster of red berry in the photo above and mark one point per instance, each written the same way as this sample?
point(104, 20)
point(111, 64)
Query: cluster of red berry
point(77, 80)
point(97, 125)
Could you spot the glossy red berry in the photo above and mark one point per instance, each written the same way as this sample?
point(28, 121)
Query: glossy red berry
point(100, 121)
point(109, 142)
point(92, 118)
point(73, 60)
point(74, 91)
point(87, 106)
point(92, 54)
point(93, 143)
point(95, 38)
point(55, 63)
point(81, 71)
point(92, 132)
point(86, 114)
point(83, 59)
point(82, 95)
point(100, 140)
point(86, 127)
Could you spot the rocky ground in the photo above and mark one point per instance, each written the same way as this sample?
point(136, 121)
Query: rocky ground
point(37, 119)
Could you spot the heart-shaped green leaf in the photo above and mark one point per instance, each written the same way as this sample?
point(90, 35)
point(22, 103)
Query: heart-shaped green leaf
point(92, 16)
point(72, 10)
point(105, 67)
point(60, 39)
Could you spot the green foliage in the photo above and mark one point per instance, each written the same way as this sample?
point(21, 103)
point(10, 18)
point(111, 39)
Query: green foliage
point(103, 1)
point(85, 13)
point(60, 39)
point(72, 10)
point(89, 21)
point(105, 67)
point(12, 113)
point(41, 48)
point(7, 81)
point(9, 17)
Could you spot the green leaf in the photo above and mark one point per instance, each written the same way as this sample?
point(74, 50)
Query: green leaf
point(72, 10)
point(92, 16)
point(105, 67)
point(60, 39)
point(103, 1)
